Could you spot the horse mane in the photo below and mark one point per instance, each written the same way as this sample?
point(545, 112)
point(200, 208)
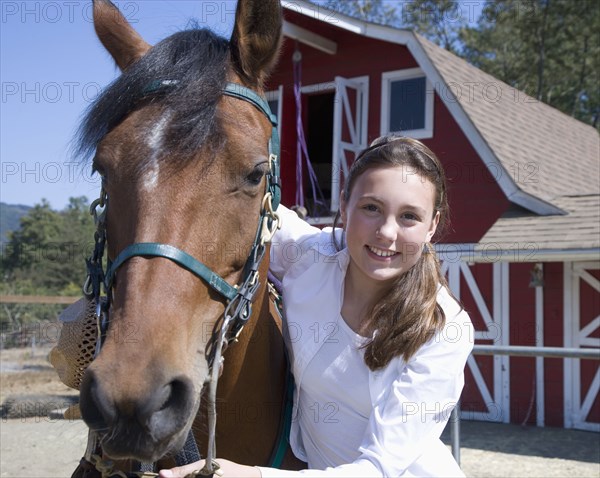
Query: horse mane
point(194, 63)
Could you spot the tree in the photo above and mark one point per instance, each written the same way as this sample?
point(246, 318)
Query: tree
point(45, 256)
point(549, 49)
point(50, 247)
point(437, 20)
point(368, 10)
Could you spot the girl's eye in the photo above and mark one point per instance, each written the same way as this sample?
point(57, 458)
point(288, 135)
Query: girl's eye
point(409, 216)
point(370, 207)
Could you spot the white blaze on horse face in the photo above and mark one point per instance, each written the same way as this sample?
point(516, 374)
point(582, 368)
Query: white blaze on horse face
point(155, 139)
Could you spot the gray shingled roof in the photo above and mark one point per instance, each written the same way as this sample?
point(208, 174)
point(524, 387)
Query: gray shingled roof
point(534, 236)
point(547, 153)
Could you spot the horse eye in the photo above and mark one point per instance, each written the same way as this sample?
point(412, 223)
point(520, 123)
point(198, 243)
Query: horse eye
point(255, 177)
point(98, 169)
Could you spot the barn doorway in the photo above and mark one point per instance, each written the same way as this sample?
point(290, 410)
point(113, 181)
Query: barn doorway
point(319, 144)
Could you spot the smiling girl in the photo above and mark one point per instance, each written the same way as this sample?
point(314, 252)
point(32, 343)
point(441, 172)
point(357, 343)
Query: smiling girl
point(378, 344)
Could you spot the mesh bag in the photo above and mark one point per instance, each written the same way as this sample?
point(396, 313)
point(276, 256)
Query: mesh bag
point(77, 342)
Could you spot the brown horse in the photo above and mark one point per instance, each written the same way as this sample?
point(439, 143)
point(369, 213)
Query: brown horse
point(186, 166)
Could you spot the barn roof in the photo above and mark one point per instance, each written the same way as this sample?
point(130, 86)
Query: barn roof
point(548, 153)
point(546, 162)
point(533, 238)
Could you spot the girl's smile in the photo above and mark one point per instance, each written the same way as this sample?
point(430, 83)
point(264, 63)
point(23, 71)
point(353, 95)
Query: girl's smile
point(381, 254)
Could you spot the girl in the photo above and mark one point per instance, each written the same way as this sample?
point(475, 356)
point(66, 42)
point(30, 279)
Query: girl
point(377, 342)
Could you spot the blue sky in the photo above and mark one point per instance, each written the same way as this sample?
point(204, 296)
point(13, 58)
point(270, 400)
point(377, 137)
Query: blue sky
point(52, 67)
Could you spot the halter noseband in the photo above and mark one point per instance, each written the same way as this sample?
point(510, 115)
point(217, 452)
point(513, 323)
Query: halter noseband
point(239, 298)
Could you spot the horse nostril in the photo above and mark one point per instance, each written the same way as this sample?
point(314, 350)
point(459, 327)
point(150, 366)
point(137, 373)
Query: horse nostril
point(97, 411)
point(170, 407)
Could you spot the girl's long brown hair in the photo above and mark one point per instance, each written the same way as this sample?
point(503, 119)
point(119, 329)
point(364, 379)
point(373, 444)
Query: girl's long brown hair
point(409, 315)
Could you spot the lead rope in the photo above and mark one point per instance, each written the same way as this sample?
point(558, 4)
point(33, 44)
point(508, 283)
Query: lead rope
point(211, 466)
point(271, 221)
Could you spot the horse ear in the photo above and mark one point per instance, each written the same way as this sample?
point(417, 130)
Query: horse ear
point(124, 44)
point(256, 39)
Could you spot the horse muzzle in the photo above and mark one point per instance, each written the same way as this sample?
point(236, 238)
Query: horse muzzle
point(143, 426)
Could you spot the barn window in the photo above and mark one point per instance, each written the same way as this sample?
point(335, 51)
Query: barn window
point(407, 103)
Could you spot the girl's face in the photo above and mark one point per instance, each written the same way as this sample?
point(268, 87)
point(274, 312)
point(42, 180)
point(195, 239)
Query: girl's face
point(388, 217)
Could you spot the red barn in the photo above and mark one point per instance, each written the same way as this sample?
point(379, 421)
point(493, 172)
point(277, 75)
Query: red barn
point(523, 254)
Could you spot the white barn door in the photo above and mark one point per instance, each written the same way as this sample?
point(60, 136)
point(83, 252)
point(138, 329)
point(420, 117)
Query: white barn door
point(350, 119)
point(581, 327)
point(496, 322)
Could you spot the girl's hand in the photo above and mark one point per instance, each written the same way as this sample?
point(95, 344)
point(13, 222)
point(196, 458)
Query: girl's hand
point(228, 468)
point(181, 471)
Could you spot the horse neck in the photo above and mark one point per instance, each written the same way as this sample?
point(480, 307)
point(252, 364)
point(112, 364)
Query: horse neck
point(251, 389)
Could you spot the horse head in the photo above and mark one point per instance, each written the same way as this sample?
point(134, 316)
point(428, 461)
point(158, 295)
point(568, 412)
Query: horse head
point(185, 166)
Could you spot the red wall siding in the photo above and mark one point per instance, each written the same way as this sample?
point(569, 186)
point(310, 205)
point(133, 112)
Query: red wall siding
point(522, 332)
point(553, 337)
point(476, 200)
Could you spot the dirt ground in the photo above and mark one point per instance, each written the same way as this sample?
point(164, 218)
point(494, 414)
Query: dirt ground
point(36, 446)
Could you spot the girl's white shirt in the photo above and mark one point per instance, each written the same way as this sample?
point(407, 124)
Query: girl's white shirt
point(410, 403)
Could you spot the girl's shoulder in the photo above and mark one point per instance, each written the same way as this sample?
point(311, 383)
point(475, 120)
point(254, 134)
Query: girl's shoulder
point(297, 235)
point(298, 245)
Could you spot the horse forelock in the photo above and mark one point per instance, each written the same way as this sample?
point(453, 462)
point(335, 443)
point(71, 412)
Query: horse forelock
point(195, 64)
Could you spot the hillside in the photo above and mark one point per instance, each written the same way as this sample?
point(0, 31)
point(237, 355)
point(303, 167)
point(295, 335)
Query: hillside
point(10, 216)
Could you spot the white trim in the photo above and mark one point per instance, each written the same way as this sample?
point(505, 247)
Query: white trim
point(505, 337)
point(540, 401)
point(318, 88)
point(499, 360)
point(318, 12)
point(309, 38)
point(575, 363)
point(409, 39)
point(485, 395)
point(578, 266)
point(586, 406)
point(454, 277)
point(479, 300)
point(587, 330)
point(588, 278)
point(399, 75)
point(567, 342)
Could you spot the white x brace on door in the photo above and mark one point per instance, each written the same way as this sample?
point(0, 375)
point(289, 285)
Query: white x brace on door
point(350, 115)
point(579, 399)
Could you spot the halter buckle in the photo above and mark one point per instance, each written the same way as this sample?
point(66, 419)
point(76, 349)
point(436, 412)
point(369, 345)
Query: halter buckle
point(271, 220)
